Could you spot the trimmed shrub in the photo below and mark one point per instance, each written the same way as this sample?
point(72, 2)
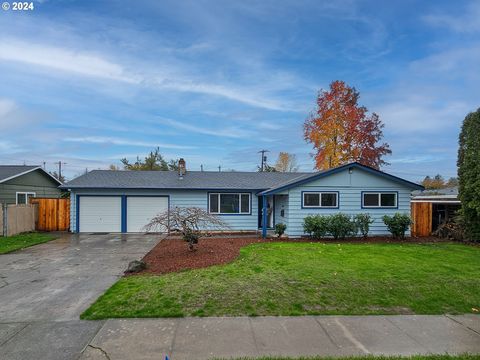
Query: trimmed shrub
point(362, 223)
point(340, 226)
point(280, 229)
point(316, 226)
point(397, 224)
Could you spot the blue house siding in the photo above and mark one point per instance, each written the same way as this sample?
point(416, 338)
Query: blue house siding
point(180, 198)
point(350, 187)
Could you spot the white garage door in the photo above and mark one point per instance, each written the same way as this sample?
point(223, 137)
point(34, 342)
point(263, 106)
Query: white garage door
point(100, 214)
point(140, 210)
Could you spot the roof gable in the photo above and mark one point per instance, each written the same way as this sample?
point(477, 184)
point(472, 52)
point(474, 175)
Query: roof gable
point(326, 173)
point(9, 172)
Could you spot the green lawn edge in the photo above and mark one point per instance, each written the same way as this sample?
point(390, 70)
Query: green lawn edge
point(358, 279)
point(370, 357)
point(22, 241)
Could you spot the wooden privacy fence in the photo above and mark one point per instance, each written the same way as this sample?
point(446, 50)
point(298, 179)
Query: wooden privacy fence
point(16, 219)
point(53, 214)
point(422, 218)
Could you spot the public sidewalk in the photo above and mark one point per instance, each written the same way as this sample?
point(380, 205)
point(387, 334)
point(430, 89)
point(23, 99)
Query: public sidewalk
point(207, 338)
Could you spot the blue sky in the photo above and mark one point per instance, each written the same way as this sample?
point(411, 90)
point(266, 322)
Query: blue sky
point(90, 82)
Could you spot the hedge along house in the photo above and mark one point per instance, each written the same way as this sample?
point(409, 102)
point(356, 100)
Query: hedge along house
point(125, 201)
point(19, 183)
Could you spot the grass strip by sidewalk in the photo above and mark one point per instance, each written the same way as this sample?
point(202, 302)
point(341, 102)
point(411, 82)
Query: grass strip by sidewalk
point(21, 241)
point(372, 357)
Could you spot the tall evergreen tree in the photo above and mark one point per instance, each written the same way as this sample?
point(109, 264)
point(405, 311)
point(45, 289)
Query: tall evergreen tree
point(469, 174)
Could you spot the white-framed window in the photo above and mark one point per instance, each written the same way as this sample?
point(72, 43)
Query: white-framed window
point(23, 197)
point(324, 199)
point(379, 199)
point(229, 203)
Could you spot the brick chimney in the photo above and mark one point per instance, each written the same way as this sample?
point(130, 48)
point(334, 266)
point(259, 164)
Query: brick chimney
point(182, 168)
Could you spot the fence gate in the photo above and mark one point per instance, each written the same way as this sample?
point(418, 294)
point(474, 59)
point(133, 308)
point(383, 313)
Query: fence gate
point(53, 214)
point(422, 218)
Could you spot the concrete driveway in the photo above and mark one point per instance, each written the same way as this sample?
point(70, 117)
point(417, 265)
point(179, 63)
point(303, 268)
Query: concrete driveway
point(45, 288)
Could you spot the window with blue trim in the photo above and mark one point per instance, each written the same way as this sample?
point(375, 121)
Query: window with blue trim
point(379, 200)
point(229, 203)
point(320, 200)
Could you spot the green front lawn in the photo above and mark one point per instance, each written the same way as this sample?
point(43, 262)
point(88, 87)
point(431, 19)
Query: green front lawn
point(415, 357)
point(12, 243)
point(308, 278)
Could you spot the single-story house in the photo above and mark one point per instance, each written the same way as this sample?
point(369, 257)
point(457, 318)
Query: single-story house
point(124, 201)
point(18, 183)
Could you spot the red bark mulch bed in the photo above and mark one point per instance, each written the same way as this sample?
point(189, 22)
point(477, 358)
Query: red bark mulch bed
point(172, 254)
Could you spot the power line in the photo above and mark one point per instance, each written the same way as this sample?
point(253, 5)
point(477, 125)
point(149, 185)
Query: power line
point(264, 159)
point(59, 163)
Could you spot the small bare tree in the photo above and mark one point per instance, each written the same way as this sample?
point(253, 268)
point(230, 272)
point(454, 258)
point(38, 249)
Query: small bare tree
point(192, 222)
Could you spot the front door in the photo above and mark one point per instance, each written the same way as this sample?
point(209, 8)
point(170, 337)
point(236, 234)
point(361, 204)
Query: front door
point(270, 211)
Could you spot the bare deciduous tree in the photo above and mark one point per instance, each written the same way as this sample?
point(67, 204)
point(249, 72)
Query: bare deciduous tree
point(192, 222)
point(286, 162)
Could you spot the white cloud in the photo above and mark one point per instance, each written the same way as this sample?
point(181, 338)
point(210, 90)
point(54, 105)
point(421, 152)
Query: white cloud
point(453, 62)
point(268, 125)
point(410, 116)
point(468, 22)
point(6, 107)
point(98, 66)
point(224, 131)
point(15, 117)
point(8, 147)
point(123, 142)
point(63, 60)
point(232, 93)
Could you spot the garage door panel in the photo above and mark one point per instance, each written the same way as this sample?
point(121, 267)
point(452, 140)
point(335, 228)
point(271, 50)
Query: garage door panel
point(140, 210)
point(100, 214)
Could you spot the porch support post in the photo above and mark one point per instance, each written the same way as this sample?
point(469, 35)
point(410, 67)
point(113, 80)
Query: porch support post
point(264, 216)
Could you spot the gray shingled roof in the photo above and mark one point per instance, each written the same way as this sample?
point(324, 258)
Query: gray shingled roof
point(108, 179)
point(8, 171)
point(446, 191)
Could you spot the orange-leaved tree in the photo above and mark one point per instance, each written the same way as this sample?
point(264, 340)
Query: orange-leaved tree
point(341, 131)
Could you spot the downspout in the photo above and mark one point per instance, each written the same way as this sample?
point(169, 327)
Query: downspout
point(264, 216)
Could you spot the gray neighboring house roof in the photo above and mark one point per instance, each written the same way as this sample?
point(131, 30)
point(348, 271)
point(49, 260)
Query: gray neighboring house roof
point(199, 180)
point(446, 191)
point(8, 172)
point(447, 195)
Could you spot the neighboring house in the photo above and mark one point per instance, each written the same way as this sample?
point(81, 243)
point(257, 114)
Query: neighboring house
point(434, 207)
point(124, 201)
point(18, 183)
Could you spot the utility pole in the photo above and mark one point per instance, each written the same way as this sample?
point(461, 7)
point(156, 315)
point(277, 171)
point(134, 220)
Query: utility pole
point(264, 159)
point(59, 163)
point(219, 168)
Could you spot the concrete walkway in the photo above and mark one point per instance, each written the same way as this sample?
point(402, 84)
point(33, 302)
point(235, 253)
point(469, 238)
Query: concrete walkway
point(207, 338)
